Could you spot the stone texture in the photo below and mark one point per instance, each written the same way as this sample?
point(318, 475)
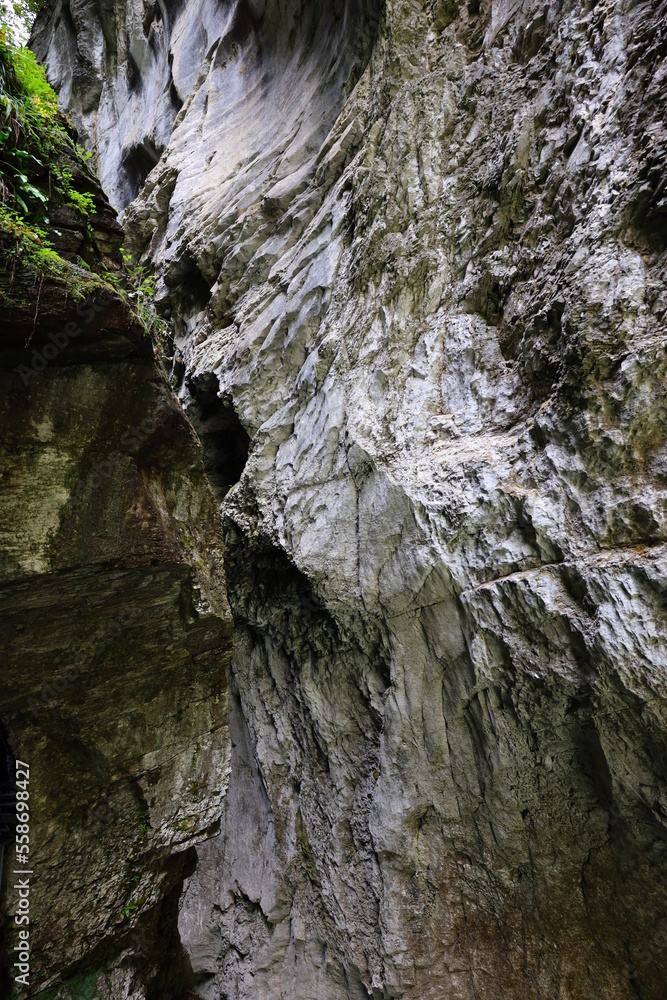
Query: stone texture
point(116, 628)
point(418, 254)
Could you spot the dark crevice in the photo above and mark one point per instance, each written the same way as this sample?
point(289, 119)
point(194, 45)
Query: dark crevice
point(172, 9)
point(225, 441)
point(176, 101)
point(133, 73)
point(138, 164)
point(174, 96)
point(68, 19)
point(242, 25)
point(188, 285)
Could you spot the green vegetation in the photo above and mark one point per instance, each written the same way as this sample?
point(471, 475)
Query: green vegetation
point(144, 828)
point(46, 182)
point(26, 251)
point(30, 128)
point(42, 172)
point(34, 136)
point(132, 907)
point(38, 160)
point(83, 203)
point(31, 241)
point(136, 901)
point(186, 825)
point(142, 294)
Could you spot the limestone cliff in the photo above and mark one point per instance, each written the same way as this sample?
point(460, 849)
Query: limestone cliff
point(414, 256)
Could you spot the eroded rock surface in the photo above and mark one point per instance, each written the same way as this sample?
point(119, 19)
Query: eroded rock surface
point(417, 253)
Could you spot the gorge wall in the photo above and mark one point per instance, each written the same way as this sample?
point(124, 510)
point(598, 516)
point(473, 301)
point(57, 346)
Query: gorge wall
point(414, 258)
point(116, 630)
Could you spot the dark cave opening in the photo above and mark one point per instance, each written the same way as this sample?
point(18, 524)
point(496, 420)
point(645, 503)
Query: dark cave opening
point(133, 74)
point(174, 96)
point(225, 442)
point(138, 164)
point(190, 285)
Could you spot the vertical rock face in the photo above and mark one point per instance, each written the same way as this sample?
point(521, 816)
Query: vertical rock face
point(116, 630)
point(415, 256)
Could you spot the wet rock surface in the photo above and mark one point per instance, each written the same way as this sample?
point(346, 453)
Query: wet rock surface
point(420, 249)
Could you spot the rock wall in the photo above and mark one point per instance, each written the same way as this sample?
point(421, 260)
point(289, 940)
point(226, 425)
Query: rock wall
point(116, 626)
point(415, 260)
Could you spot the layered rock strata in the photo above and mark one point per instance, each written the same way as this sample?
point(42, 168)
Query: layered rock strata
point(415, 257)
